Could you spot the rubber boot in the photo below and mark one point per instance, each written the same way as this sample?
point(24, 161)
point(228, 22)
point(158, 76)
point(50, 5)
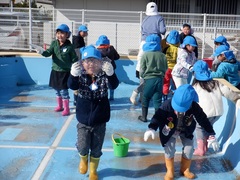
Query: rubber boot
point(60, 104)
point(133, 98)
point(66, 110)
point(143, 118)
point(83, 165)
point(111, 95)
point(170, 169)
point(185, 168)
point(93, 168)
point(201, 147)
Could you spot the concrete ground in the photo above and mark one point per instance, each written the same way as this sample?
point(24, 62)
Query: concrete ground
point(38, 143)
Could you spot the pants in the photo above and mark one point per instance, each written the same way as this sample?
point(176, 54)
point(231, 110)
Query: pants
point(139, 89)
point(62, 93)
point(90, 139)
point(167, 81)
point(187, 150)
point(152, 89)
point(179, 81)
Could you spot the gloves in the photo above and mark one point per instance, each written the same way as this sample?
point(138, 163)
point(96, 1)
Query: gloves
point(108, 68)
point(76, 69)
point(191, 68)
point(39, 50)
point(212, 141)
point(137, 74)
point(148, 133)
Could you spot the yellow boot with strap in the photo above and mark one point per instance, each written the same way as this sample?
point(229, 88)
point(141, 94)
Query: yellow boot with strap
point(93, 168)
point(83, 165)
point(185, 168)
point(170, 169)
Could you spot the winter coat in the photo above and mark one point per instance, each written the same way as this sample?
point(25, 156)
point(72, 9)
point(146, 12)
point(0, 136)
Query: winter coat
point(228, 70)
point(62, 57)
point(93, 106)
point(211, 102)
point(171, 54)
point(165, 114)
point(185, 60)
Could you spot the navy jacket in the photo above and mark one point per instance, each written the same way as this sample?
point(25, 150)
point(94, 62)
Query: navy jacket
point(165, 114)
point(93, 107)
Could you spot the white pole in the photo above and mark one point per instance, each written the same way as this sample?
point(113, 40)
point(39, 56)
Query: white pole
point(30, 24)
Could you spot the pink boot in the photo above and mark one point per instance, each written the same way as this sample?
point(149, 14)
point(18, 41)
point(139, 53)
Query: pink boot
point(60, 104)
point(66, 110)
point(201, 147)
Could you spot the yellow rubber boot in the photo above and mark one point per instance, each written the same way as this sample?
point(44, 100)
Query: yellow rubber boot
point(185, 168)
point(93, 168)
point(170, 169)
point(83, 165)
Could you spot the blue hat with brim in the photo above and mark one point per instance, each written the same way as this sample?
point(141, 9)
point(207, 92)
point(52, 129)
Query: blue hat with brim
point(222, 40)
point(90, 52)
point(183, 98)
point(152, 43)
point(201, 72)
point(173, 37)
point(102, 40)
point(63, 28)
point(220, 50)
point(189, 40)
point(83, 28)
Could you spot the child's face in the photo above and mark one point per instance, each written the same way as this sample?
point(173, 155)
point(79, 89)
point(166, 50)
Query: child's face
point(221, 57)
point(186, 30)
point(92, 66)
point(190, 48)
point(83, 34)
point(61, 36)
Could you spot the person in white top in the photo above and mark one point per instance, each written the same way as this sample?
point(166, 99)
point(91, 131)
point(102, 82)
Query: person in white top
point(210, 94)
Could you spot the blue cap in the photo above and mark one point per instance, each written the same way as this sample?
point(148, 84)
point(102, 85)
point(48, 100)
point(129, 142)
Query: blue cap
point(152, 43)
point(220, 50)
point(183, 98)
point(222, 40)
point(102, 40)
point(90, 52)
point(64, 28)
point(173, 37)
point(189, 40)
point(83, 28)
point(201, 71)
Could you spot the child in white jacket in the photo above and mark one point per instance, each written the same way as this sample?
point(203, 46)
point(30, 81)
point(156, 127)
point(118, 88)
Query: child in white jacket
point(210, 94)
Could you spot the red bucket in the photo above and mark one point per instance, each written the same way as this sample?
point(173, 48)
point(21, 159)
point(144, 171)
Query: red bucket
point(209, 61)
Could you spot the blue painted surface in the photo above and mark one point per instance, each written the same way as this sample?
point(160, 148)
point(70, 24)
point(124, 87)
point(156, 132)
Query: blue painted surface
point(29, 108)
point(10, 134)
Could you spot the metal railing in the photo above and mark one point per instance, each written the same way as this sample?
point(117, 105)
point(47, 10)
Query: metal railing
point(21, 27)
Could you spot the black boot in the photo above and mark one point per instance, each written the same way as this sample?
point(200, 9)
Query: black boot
point(75, 100)
point(143, 118)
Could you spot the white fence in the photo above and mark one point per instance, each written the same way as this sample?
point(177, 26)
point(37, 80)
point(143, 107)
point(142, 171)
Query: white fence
point(24, 26)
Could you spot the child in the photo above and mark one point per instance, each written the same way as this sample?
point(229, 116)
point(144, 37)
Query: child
point(107, 50)
point(153, 23)
point(220, 40)
point(210, 94)
point(228, 68)
point(188, 31)
point(91, 77)
point(63, 55)
point(78, 42)
point(153, 68)
point(185, 60)
point(171, 50)
point(177, 117)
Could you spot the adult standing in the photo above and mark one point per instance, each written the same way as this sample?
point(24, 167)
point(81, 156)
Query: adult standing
point(153, 23)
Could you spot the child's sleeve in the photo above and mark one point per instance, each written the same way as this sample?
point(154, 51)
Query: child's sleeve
point(113, 81)
point(49, 51)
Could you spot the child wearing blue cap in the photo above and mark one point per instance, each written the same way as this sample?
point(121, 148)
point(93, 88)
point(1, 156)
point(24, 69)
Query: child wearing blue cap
point(91, 77)
point(229, 66)
point(185, 61)
point(153, 68)
point(171, 51)
point(108, 51)
point(63, 56)
point(210, 94)
point(177, 117)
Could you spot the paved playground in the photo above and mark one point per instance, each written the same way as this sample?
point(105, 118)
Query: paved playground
point(38, 143)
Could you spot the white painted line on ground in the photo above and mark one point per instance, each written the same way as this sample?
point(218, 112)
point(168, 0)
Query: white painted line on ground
point(50, 152)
